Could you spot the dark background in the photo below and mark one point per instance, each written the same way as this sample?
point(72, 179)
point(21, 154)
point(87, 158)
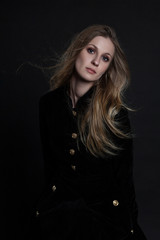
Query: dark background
point(36, 32)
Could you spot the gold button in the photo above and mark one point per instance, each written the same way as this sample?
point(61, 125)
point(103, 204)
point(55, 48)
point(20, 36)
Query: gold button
point(74, 135)
point(54, 188)
point(132, 231)
point(37, 213)
point(73, 167)
point(74, 113)
point(72, 151)
point(115, 203)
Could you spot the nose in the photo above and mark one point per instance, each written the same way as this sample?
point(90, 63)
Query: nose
point(95, 62)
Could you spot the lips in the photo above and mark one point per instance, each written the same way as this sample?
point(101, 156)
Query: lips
point(90, 70)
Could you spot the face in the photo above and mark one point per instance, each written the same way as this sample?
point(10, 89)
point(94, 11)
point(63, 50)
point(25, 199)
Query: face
point(94, 60)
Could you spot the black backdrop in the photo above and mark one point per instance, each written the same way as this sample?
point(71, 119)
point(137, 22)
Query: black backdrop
point(34, 32)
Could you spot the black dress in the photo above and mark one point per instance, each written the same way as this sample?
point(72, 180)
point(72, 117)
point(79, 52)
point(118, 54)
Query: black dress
point(86, 197)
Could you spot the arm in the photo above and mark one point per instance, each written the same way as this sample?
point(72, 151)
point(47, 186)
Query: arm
point(123, 168)
point(124, 176)
point(46, 140)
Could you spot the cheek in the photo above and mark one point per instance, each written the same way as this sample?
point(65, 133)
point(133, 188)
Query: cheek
point(103, 70)
point(80, 62)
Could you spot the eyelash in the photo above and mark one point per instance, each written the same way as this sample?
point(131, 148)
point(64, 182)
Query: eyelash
point(91, 51)
point(106, 59)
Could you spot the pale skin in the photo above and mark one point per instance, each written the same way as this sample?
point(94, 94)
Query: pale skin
point(92, 62)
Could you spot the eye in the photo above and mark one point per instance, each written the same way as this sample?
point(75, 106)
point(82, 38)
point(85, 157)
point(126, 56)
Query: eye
point(105, 58)
point(90, 50)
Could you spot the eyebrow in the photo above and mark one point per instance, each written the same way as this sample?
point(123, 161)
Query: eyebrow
point(97, 48)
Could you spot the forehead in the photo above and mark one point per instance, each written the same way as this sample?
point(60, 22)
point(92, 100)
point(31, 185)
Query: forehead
point(103, 44)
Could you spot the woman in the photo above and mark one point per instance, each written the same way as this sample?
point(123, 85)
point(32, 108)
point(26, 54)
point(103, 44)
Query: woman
point(87, 144)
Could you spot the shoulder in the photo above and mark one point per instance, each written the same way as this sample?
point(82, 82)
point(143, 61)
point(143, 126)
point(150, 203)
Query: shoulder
point(122, 119)
point(122, 114)
point(52, 96)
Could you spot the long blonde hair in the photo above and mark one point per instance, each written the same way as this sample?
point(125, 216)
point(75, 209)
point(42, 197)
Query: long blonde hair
point(107, 99)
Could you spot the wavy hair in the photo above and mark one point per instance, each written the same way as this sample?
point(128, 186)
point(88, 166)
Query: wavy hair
point(107, 99)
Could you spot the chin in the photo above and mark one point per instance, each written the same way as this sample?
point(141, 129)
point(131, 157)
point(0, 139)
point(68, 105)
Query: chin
point(89, 80)
point(87, 77)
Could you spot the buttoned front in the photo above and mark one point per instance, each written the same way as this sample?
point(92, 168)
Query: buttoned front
point(73, 167)
point(74, 135)
point(37, 213)
point(72, 151)
point(54, 188)
point(74, 113)
point(101, 186)
point(115, 203)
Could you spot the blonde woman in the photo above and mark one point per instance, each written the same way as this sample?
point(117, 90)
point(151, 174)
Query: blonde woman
point(87, 144)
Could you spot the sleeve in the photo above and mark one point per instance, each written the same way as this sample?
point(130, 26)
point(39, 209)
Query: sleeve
point(124, 174)
point(47, 141)
point(123, 167)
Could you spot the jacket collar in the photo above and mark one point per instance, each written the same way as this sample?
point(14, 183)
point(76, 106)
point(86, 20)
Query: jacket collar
point(83, 100)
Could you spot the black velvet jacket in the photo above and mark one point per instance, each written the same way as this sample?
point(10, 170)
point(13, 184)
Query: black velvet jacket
point(86, 197)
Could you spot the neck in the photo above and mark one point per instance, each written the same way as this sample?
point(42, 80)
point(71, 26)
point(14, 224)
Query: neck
point(78, 87)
